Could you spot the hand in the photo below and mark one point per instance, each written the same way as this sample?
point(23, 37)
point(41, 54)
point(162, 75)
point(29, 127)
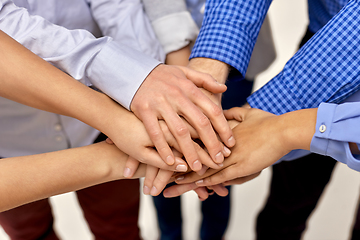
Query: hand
point(168, 93)
point(202, 192)
point(128, 133)
point(262, 139)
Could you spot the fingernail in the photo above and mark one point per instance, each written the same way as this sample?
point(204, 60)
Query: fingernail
point(181, 168)
point(127, 172)
point(197, 165)
point(146, 190)
point(153, 191)
point(227, 151)
point(199, 182)
point(170, 160)
point(180, 178)
point(220, 164)
point(219, 157)
point(231, 141)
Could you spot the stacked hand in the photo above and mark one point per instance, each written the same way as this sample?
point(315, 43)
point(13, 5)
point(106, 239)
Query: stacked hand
point(262, 139)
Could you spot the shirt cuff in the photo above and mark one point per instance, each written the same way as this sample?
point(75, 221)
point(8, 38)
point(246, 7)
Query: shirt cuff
point(320, 141)
point(174, 38)
point(119, 71)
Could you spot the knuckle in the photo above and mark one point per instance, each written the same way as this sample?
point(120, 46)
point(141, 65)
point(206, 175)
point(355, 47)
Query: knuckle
point(155, 134)
point(204, 122)
point(216, 111)
point(182, 131)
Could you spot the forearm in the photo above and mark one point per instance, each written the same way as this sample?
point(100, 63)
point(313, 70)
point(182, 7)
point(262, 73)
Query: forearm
point(298, 128)
point(30, 178)
point(326, 78)
point(45, 87)
point(218, 70)
point(179, 57)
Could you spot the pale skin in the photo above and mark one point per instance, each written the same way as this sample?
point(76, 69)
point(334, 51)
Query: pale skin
point(169, 95)
point(262, 139)
point(37, 91)
point(30, 178)
point(156, 179)
point(42, 86)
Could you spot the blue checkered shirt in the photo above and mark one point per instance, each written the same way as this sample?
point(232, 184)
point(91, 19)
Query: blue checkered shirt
point(326, 69)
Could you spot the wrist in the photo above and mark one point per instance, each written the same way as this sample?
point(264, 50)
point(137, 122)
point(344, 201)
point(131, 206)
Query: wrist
point(298, 128)
point(218, 70)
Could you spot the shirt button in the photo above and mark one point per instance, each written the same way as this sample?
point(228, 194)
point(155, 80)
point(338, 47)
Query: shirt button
point(322, 128)
point(59, 138)
point(58, 127)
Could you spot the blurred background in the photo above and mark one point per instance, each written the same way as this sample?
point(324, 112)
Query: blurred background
point(332, 219)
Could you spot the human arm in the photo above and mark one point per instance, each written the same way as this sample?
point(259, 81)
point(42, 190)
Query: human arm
point(30, 178)
point(45, 87)
point(227, 25)
point(102, 62)
point(325, 69)
point(264, 138)
point(337, 133)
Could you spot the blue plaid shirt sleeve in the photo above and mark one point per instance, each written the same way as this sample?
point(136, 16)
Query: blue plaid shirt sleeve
point(326, 69)
point(229, 31)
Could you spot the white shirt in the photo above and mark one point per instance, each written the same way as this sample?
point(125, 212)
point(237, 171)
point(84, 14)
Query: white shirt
point(109, 63)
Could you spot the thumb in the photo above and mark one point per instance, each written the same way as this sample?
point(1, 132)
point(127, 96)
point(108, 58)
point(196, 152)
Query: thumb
point(204, 80)
point(236, 113)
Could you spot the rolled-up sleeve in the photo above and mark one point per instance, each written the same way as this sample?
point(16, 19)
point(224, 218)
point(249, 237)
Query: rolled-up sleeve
point(172, 23)
point(336, 126)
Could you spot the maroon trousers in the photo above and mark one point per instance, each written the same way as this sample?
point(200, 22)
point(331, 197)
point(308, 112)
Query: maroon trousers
point(110, 209)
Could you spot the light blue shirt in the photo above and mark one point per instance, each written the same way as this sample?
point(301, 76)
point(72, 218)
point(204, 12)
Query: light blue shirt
point(336, 126)
point(65, 34)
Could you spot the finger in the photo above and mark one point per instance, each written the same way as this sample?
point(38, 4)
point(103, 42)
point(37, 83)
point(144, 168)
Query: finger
point(241, 180)
point(204, 127)
point(205, 159)
point(177, 190)
point(202, 193)
point(183, 138)
point(169, 137)
point(153, 158)
point(236, 113)
point(131, 166)
point(193, 176)
point(150, 175)
point(160, 182)
point(203, 155)
point(220, 190)
point(109, 141)
point(153, 128)
point(204, 80)
point(223, 175)
point(203, 170)
point(215, 114)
